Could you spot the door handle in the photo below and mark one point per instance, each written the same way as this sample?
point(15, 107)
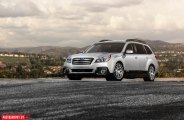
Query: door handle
point(136, 57)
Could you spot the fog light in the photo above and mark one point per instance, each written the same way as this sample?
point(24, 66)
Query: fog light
point(101, 71)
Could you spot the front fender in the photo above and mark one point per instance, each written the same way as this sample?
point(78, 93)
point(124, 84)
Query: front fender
point(114, 61)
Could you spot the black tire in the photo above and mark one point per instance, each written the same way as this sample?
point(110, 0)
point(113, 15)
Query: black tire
point(109, 77)
point(150, 76)
point(117, 74)
point(74, 77)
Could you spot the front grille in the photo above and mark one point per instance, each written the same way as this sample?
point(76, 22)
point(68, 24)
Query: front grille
point(82, 70)
point(82, 61)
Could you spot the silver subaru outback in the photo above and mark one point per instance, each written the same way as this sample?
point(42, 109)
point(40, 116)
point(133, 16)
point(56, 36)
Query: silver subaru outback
point(113, 60)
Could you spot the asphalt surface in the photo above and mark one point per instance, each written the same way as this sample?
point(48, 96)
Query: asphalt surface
point(93, 99)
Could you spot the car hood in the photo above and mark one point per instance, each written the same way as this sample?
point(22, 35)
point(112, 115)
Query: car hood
point(91, 55)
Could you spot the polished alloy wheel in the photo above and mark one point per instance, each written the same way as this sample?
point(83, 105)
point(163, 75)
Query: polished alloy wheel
point(152, 73)
point(118, 71)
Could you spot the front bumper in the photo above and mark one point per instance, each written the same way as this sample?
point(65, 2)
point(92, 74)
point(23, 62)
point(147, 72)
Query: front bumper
point(96, 71)
point(94, 68)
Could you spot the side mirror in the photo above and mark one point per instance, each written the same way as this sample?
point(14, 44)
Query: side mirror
point(81, 51)
point(129, 51)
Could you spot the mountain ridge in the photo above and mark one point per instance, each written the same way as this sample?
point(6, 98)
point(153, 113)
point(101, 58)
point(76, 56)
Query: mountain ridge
point(156, 45)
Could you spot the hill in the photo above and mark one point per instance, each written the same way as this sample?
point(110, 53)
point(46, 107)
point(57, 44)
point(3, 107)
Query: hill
point(156, 45)
point(49, 50)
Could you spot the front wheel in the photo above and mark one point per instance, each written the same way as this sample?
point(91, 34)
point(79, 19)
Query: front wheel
point(117, 74)
point(150, 74)
point(74, 77)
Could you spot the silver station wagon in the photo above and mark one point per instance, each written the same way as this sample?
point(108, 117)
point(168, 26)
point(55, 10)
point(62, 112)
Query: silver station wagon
point(113, 60)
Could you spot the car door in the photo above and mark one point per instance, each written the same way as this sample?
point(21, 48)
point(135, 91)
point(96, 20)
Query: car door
point(131, 62)
point(141, 56)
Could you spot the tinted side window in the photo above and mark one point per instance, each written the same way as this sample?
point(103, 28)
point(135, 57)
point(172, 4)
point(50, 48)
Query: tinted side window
point(148, 50)
point(140, 49)
point(131, 46)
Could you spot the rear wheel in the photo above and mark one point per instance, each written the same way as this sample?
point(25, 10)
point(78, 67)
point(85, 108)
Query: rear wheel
point(117, 74)
point(74, 77)
point(150, 74)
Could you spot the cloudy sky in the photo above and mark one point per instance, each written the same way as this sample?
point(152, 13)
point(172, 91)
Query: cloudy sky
point(82, 22)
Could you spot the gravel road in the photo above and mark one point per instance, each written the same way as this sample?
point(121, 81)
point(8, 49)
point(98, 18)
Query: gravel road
point(93, 99)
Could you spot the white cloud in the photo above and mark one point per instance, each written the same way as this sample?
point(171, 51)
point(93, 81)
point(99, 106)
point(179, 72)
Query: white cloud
point(18, 8)
point(61, 22)
point(103, 5)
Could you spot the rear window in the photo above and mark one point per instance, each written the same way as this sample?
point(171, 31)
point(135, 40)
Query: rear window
point(140, 49)
point(148, 50)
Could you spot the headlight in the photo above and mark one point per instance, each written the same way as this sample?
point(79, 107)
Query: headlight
point(69, 60)
point(103, 59)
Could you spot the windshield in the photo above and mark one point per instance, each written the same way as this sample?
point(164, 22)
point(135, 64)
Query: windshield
point(106, 47)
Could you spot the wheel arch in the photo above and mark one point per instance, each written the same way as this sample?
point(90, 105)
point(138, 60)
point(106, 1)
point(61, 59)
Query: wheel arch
point(113, 65)
point(119, 62)
point(149, 63)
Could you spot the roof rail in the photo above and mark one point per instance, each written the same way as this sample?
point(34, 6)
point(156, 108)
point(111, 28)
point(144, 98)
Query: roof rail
point(104, 40)
point(136, 40)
